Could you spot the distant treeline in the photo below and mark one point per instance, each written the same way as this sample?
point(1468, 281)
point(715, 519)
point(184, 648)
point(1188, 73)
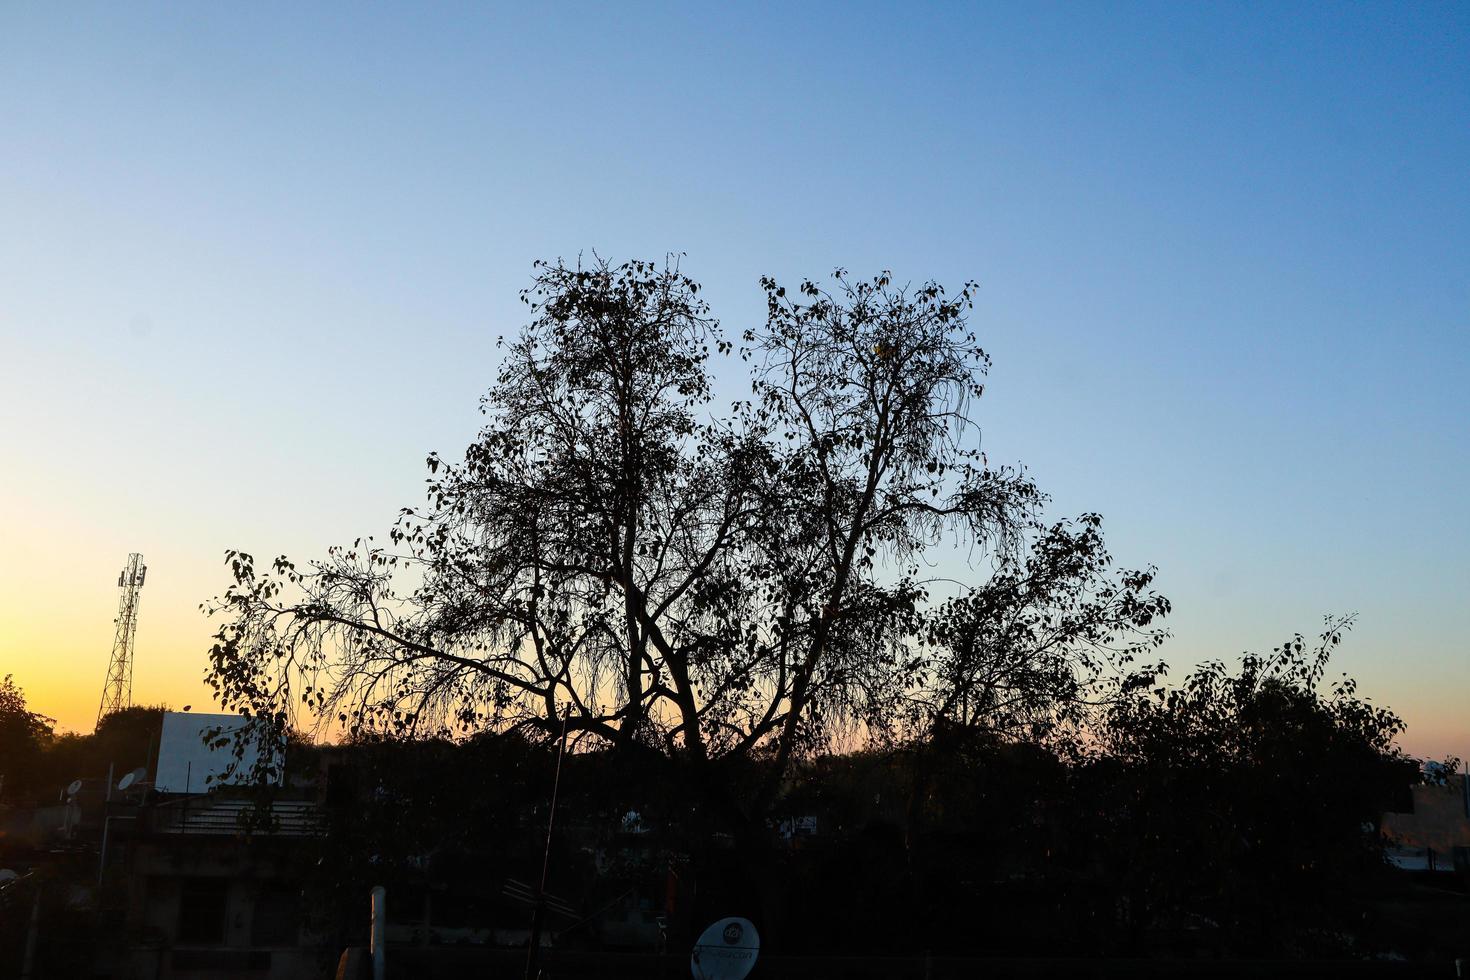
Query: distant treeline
point(37, 762)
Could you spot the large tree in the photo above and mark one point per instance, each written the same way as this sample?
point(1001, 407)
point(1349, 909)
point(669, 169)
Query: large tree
point(618, 554)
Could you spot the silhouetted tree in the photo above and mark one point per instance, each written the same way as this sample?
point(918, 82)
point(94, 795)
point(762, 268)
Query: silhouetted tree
point(1249, 800)
point(24, 735)
point(700, 585)
point(124, 740)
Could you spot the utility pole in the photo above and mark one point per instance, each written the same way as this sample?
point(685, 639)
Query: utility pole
point(117, 690)
point(28, 959)
point(533, 951)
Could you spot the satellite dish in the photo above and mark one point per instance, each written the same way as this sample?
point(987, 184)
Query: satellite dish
point(725, 951)
point(6, 875)
point(74, 787)
point(132, 778)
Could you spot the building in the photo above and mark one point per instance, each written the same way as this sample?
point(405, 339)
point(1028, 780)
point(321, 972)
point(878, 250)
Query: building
point(206, 899)
point(1434, 835)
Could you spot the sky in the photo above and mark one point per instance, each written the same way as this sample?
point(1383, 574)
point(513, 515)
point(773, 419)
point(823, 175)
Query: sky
point(254, 260)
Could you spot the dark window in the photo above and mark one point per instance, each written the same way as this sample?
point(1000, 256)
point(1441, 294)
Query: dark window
point(202, 903)
point(342, 785)
point(1401, 799)
point(277, 916)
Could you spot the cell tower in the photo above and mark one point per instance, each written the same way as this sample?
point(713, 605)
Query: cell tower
point(117, 693)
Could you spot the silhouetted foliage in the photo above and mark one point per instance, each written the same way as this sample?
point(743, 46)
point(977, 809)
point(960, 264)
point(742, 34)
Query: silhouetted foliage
point(1023, 653)
point(717, 599)
point(1247, 803)
point(1235, 814)
point(711, 587)
point(123, 741)
point(24, 735)
point(37, 761)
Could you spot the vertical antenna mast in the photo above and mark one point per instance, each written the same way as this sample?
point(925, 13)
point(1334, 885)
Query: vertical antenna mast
point(117, 692)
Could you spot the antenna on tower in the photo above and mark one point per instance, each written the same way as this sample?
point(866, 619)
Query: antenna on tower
point(117, 692)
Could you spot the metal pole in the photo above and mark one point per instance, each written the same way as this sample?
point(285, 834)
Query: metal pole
point(29, 961)
point(106, 835)
point(102, 858)
point(533, 952)
point(184, 811)
point(379, 934)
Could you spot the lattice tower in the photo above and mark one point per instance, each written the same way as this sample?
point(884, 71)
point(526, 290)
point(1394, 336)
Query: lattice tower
point(117, 693)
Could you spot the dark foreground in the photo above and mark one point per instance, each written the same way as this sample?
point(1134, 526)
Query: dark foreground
point(452, 964)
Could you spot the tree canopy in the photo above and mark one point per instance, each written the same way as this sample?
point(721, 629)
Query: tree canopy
point(832, 556)
point(1249, 799)
point(23, 735)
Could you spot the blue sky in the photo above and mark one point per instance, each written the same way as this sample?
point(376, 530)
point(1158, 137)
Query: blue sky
point(253, 261)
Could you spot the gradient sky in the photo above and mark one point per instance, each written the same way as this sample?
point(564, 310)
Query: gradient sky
point(254, 258)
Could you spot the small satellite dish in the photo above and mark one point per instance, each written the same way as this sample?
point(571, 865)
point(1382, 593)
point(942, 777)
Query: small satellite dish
point(725, 951)
point(73, 788)
point(188, 706)
point(132, 778)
